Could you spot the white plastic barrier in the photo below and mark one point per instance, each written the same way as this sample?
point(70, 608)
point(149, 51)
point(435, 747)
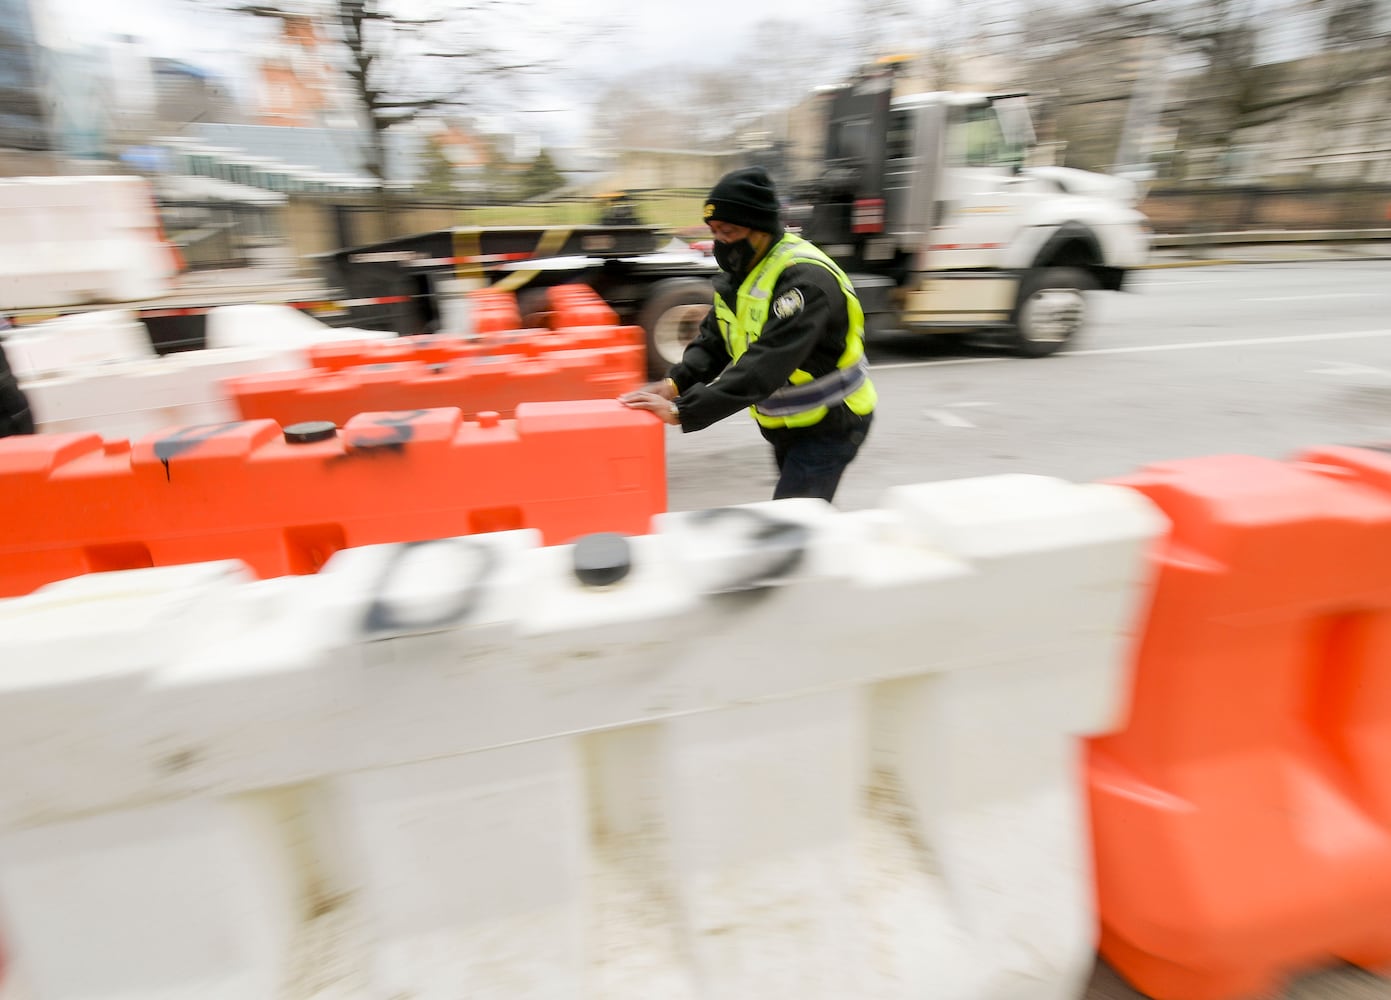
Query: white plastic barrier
point(93, 372)
point(76, 240)
point(130, 399)
point(60, 345)
point(270, 325)
point(768, 751)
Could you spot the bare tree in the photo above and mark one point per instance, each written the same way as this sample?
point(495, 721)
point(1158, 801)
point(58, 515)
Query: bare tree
point(404, 61)
point(1223, 38)
point(1350, 23)
point(785, 59)
point(712, 107)
point(1239, 85)
point(1083, 64)
point(638, 111)
point(882, 27)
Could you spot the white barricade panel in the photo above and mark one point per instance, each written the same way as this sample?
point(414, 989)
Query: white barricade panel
point(171, 901)
point(473, 873)
point(134, 398)
point(60, 345)
point(75, 675)
point(79, 240)
point(766, 751)
point(266, 325)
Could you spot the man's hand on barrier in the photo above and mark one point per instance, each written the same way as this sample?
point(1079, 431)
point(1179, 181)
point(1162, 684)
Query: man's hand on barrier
point(652, 402)
point(665, 388)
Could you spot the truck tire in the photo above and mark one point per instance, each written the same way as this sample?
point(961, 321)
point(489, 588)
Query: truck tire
point(534, 308)
point(1050, 311)
point(671, 317)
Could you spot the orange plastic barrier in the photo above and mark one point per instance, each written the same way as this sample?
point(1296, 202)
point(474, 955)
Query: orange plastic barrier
point(426, 349)
point(578, 305)
point(430, 349)
point(284, 502)
point(575, 338)
point(1242, 818)
point(493, 311)
point(499, 384)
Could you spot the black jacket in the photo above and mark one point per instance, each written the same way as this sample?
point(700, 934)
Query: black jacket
point(15, 415)
point(812, 338)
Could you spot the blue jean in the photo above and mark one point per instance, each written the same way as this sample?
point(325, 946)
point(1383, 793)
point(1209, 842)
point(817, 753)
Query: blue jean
point(812, 459)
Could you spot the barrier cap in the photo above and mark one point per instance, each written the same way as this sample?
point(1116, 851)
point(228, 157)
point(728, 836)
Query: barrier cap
point(602, 559)
point(310, 431)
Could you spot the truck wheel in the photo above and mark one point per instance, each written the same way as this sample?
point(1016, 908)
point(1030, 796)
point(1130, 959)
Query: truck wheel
point(1050, 311)
point(534, 308)
point(671, 317)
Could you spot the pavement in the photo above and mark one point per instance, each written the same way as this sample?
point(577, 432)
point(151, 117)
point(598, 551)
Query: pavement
point(1338, 983)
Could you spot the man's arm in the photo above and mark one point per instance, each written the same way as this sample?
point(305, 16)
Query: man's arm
point(704, 358)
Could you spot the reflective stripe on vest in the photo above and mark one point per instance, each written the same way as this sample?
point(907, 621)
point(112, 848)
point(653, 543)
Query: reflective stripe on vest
point(804, 400)
point(825, 391)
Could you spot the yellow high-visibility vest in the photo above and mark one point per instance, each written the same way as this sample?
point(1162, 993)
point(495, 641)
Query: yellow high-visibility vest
point(805, 399)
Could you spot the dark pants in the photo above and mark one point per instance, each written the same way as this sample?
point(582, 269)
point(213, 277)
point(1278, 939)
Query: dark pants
point(812, 459)
point(15, 416)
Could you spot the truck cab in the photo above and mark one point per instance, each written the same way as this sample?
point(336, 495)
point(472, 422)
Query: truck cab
point(930, 203)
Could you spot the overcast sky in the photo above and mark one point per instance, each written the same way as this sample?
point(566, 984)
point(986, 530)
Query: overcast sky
point(650, 33)
point(658, 30)
point(586, 41)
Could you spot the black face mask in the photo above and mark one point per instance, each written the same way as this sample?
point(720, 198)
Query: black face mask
point(734, 258)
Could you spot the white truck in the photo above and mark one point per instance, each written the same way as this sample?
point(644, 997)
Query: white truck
point(927, 202)
point(924, 199)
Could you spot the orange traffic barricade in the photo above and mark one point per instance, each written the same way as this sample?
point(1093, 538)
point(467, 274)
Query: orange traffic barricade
point(578, 306)
point(498, 384)
point(335, 355)
point(433, 349)
point(284, 501)
point(1242, 818)
point(493, 310)
point(534, 342)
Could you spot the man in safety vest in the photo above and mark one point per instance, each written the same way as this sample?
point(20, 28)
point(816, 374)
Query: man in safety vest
point(785, 339)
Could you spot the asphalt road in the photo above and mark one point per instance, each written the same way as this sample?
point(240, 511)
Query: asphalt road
point(1253, 359)
point(1258, 359)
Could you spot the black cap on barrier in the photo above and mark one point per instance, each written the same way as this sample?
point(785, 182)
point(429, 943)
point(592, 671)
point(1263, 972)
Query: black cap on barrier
point(602, 559)
point(310, 431)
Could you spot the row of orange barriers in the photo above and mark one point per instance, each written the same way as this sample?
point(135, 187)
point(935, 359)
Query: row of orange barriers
point(583, 354)
point(431, 349)
point(568, 307)
point(1242, 818)
point(284, 501)
point(499, 385)
point(578, 306)
point(493, 311)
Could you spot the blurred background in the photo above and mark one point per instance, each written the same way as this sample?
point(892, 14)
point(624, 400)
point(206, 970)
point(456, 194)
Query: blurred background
point(279, 129)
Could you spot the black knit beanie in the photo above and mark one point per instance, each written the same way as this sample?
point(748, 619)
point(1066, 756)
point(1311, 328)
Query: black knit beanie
point(744, 197)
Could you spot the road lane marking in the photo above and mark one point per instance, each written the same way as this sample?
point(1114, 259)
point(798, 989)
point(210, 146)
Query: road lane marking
point(947, 418)
point(1199, 345)
point(1347, 368)
point(1330, 295)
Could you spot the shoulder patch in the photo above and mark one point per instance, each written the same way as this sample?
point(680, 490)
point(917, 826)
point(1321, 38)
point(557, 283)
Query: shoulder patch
point(788, 304)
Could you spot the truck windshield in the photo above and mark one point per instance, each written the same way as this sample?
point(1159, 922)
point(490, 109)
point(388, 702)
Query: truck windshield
point(991, 135)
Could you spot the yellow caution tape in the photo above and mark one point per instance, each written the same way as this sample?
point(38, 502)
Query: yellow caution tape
point(551, 240)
